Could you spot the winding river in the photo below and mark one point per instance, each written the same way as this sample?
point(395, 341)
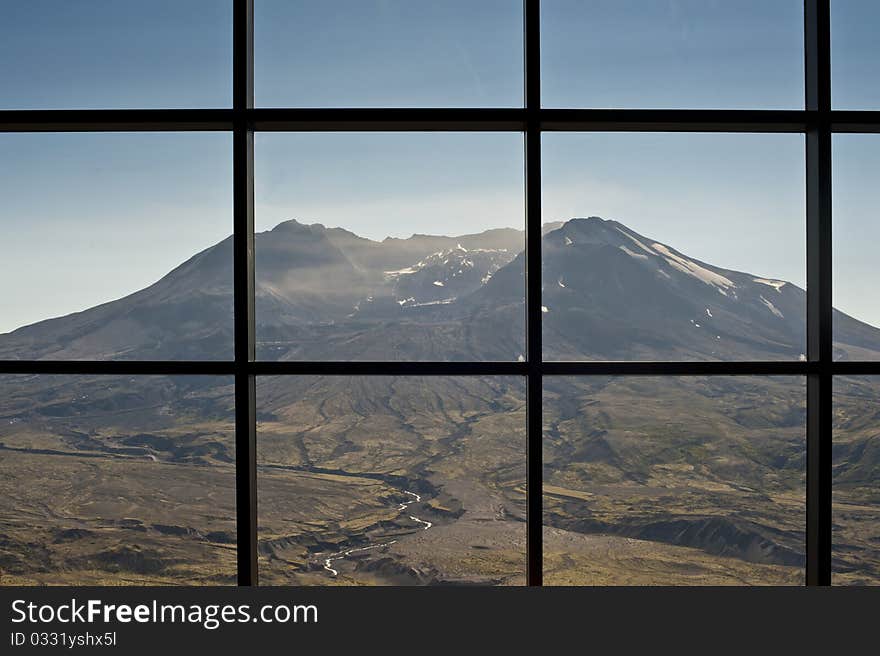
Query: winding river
point(328, 562)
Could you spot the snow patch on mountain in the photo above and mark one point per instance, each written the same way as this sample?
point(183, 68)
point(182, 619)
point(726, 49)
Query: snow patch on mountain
point(772, 308)
point(638, 256)
point(442, 301)
point(636, 241)
point(454, 272)
point(400, 272)
point(693, 269)
point(775, 284)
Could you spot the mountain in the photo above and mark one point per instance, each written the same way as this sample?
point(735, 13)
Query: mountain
point(612, 293)
point(326, 293)
point(422, 479)
point(642, 299)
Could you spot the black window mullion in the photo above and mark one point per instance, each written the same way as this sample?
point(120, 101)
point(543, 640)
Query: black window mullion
point(534, 400)
point(817, 44)
point(243, 286)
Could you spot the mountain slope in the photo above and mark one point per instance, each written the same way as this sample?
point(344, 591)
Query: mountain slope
point(641, 299)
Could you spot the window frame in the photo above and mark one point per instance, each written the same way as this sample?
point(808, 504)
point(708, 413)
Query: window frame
point(816, 121)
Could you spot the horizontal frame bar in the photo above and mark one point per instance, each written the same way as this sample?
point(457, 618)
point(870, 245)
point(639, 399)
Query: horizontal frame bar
point(434, 120)
point(853, 122)
point(391, 120)
point(116, 120)
point(365, 368)
point(674, 120)
point(666, 368)
point(855, 368)
point(119, 367)
point(286, 367)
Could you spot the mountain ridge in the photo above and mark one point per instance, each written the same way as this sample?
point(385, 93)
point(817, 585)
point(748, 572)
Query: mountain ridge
point(328, 293)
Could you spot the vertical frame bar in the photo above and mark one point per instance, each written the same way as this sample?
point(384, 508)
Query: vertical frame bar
point(534, 400)
point(817, 68)
point(243, 267)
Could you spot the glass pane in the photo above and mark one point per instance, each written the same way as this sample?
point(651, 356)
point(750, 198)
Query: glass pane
point(105, 54)
point(387, 53)
point(856, 491)
point(391, 481)
point(117, 481)
point(389, 246)
point(855, 165)
point(684, 54)
point(855, 54)
point(693, 249)
point(117, 246)
point(674, 481)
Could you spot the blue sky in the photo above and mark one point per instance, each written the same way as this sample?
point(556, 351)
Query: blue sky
point(148, 201)
point(375, 53)
point(97, 54)
point(377, 184)
point(740, 54)
point(87, 218)
point(856, 166)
